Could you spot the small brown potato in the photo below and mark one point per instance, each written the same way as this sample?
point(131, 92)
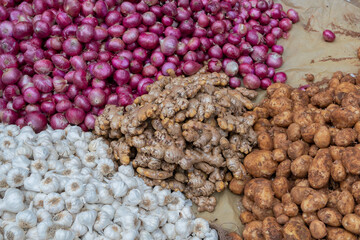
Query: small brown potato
point(261, 213)
point(246, 217)
point(330, 216)
point(348, 78)
point(265, 141)
point(234, 236)
point(247, 203)
point(278, 105)
point(345, 203)
point(237, 186)
point(279, 90)
point(339, 234)
point(283, 119)
point(309, 217)
point(259, 189)
point(286, 198)
point(259, 163)
point(348, 182)
point(291, 209)
point(294, 230)
point(319, 170)
point(345, 137)
point(278, 209)
point(322, 99)
point(333, 196)
point(294, 132)
point(281, 141)
point(319, 118)
point(313, 150)
point(322, 137)
point(308, 132)
point(335, 152)
point(338, 172)
point(271, 230)
point(333, 133)
point(312, 90)
point(298, 194)
point(282, 219)
point(350, 159)
point(357, 210)
point(262, 125)
point(314, 202)
point(355, 190)
point(338, 75)
point(303, 118)
point(344, 118)
point(280, 186)
point(357, 127)
point(284, 169)
point(300, 166)
point(317, 229)
point(297, 149)
point(351, 222)
point(253, 230)
point(299, 97)
point(261, 112)
point(351, 99)
point(279, 155)
point(334, 82)
point(302, 182)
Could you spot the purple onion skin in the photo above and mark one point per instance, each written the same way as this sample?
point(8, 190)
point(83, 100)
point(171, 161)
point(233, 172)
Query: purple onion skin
point(328, 36)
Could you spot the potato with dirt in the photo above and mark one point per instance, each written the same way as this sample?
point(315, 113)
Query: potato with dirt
point(330, 216)
point(259, 163)
point(319, 169)
point(314, 202)
point(260, 191)
point(271, 230)
point(317, 229)
point(253, 230)
point(339, 234)
point(350, 158)
point(300, 166)
point(351, 222)
point(322, 137)
point(296, 230)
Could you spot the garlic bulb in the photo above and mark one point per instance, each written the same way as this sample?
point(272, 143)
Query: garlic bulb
point(201, 227)
point(40, 152)
point(16, 176)
point(63, 219)
point(50, 184)
point(62, 234)
point(87, 219)
point(14, 233)
point(150, 222)
point(27, 218)
point(21, 161)
point(183, 227)
point(169, 230)
point(39, 166)
point(32, 183)
point(53, 203)
point(75, 187)
point(13, 201)
point(144, 235)
point(113, 232)
point(73, 204)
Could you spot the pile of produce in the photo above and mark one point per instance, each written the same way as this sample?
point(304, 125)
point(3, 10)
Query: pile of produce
point(188, 134)
point(306, 169)
point(65, 60)
point(62, 185)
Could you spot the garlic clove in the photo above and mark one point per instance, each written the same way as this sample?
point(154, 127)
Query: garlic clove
point(159, 235)
point(13, 201)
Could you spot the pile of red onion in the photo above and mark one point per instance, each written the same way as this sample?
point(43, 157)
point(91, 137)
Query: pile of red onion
point(62, 61)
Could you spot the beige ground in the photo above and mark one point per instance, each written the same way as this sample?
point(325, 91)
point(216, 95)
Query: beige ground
point(307, 52)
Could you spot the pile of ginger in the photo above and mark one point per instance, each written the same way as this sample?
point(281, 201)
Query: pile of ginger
point(303, 179)
point(188, 134)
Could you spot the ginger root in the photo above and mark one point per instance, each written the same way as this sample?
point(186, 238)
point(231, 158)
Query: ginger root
point(188, 134)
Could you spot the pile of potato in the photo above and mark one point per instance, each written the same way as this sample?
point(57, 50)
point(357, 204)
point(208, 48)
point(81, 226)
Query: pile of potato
point(303, 180)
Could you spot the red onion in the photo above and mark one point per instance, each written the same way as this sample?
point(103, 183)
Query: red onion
point(253, 37)
point(293, 15)
point(11, 76)
point(215, 52)
point(10, 92)
point(245, 59)
point(36, 120)
point(134, 80)
point(328, 35)
point(259, 53)
point(72, 7)
point(172, 31)
point(42, 29)
point(90, 121)
point(148, 71)
point(8, 116)
point(130, 36)
point(132, 20)
point(231, 68)
point(261, 70)
point(72, 91)
point(7, 61)
point(148, 40)
point(168, 66)
point(48, 107)
point(285, 24)
point(63, 105)
point(9, 45)
point(121, 77)
point(234, 82)
point(251, 81)
point(72, 46)
point(265, 83)
point(277, 49)
point(245, 48)
point(280, 77)
point(18, 103)
point(157, 59)
point(97, 97)
point(214, 65)
point(246, 68)
point(85, 33)
point(43, 83)
point(43, 66)
point(190, 67)
point(31, 95)
point(135, 66)
point(102, 70)
point(100, 34)
point(169, 45)
point(83, 103)
point(81, 79)
point(75, 115)
point(22, 30)
point(141, 88)
point(274, 60)
point(58, 121)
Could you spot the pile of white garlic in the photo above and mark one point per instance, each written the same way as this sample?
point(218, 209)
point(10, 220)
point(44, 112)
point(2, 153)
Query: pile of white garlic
point(62, 184)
